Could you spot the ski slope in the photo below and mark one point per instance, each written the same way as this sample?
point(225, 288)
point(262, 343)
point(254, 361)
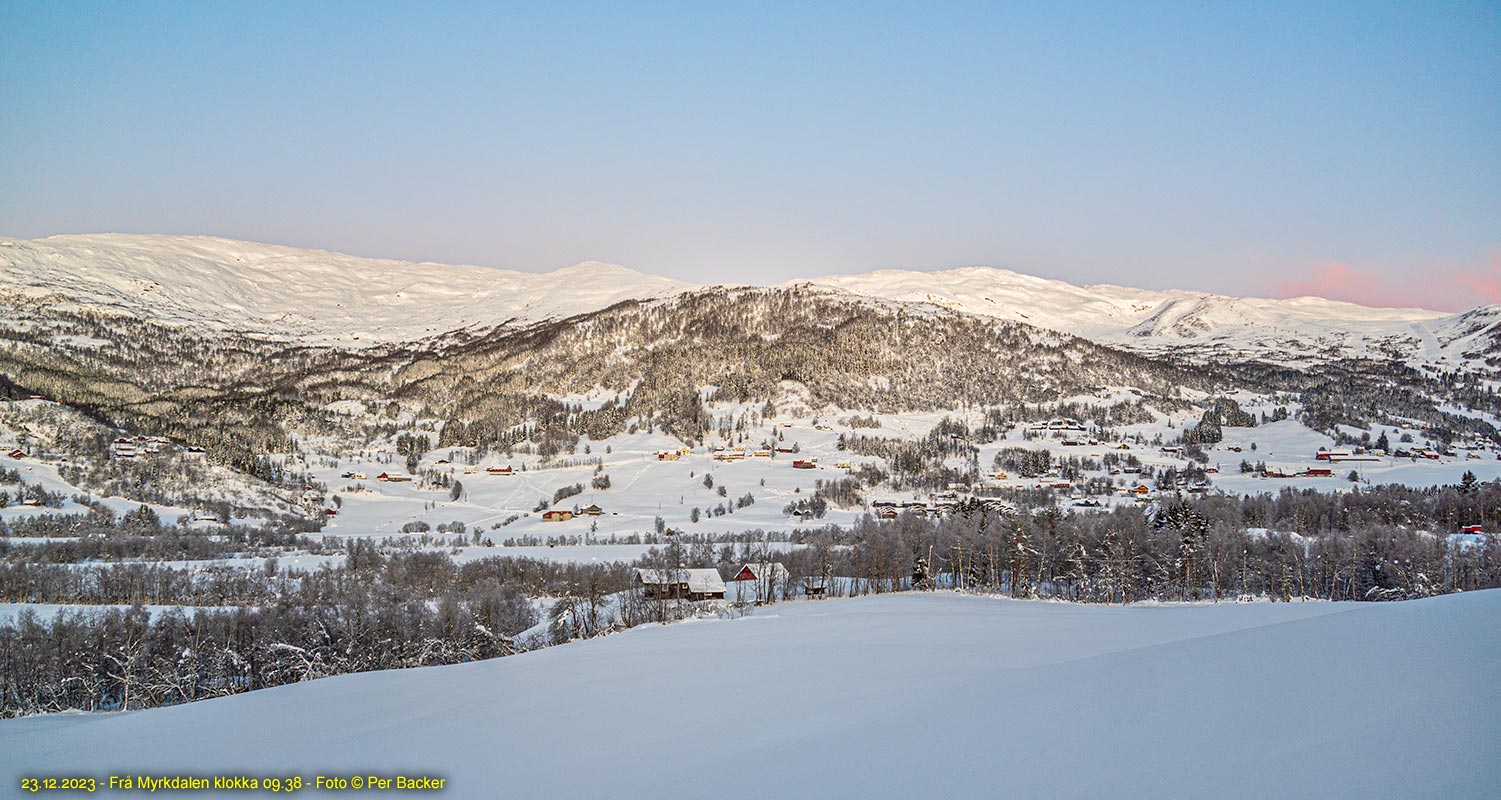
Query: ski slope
point(896, 696)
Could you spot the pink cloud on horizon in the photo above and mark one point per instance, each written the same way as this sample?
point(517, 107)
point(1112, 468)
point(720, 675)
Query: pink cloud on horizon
point(1445, 289)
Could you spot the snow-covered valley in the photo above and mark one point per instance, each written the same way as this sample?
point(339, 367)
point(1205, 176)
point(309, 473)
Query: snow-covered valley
point(252, 497)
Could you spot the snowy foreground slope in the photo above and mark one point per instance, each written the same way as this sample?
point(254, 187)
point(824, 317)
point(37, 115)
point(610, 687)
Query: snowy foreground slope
point(896, 696)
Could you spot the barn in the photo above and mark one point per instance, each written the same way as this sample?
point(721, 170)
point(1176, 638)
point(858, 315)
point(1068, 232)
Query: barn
point(557, 515)
point(770, 571)
point(685, 584)
point(762, 582)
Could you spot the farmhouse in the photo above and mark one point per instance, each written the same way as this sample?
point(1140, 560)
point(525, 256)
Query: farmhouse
point(668, 455)
point(557, 515)
point(591, 510)
point(685, 584)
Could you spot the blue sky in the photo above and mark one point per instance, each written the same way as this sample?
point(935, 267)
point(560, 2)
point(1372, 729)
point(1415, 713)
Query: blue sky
point(1350, 149)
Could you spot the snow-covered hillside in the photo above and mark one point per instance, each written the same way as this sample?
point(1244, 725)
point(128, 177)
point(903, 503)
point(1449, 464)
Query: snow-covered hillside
point(328, 298)
point(1141, 318)
point(897, 696)
point(312, 295)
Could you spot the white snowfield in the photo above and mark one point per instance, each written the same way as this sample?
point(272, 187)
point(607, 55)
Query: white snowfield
point(897, 696)
point(335, 299)
point(314, 295)
point(1143, 318)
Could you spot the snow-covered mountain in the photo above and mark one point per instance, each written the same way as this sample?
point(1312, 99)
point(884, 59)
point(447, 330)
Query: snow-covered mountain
point(327, 298)
point(311, 295)
point(1142, 319)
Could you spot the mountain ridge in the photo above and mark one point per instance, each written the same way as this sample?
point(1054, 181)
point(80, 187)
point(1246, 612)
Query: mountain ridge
point(328, 298)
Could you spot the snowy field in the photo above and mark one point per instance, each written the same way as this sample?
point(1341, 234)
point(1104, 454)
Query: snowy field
point(45, 612)
point(896, 696)
point(643, 489)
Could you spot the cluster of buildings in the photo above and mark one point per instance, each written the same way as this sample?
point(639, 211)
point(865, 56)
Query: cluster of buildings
point(566, 514)
point(123, 447)
point(765, 581)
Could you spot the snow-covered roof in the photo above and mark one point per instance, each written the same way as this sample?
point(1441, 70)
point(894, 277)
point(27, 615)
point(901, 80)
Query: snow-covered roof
point(764, 570)
point(698, 580)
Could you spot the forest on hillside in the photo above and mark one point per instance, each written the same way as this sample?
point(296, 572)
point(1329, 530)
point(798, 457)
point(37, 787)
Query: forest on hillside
point(378, 608)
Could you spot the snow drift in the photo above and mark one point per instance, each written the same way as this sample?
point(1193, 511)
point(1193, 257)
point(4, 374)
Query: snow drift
point(900, 696)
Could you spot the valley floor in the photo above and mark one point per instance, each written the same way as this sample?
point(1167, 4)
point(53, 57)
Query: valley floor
point(900, 696)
